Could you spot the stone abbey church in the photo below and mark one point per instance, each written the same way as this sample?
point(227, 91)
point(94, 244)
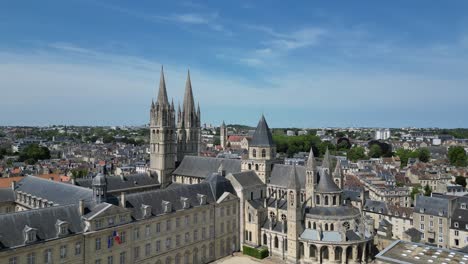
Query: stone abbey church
point(187, 209)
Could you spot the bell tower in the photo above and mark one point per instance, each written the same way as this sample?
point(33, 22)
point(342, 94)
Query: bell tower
point(262, 152)
point(162, 136)
point(294, 216)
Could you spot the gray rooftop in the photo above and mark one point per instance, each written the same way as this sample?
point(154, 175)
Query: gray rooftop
point(202, 167)
point(7, 195)
point(280, 173)
point(56, 192)
point(432, 205)
point(44, 220)
point(116, 183)
point(326, 183)
point(246, 178)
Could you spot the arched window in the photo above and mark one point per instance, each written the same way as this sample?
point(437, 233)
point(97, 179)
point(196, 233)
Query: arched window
point(334, 200)
point(317, 199)
point(254, 153)
point(326, 227)
point(250, 217)
point(250, 166)
point(265, 239)
point(315, 225)
point(263, 153)
point(276, 242)
point(331, 227)
point(177, 259)
point(256, 167)
point(326, 200)
point(309, 225)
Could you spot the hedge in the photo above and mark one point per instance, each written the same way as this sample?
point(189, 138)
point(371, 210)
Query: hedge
point(259, 253)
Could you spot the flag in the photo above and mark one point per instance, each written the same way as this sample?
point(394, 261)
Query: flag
point(116, 236)
point(109, 242)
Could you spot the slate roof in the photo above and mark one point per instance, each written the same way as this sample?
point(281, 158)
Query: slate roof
point(327, 236)
point(44, 220)
point(115, 183)
point(57, 192)
point(352, 195)
point(375, 206)
point(202, 167)
point(460, 216)
point(213, 187)
point(246, 178)
point(340, 211)
point(280, 173)
point(326, 183)
point(7, 195)
point(432, 205)
point(262, 136)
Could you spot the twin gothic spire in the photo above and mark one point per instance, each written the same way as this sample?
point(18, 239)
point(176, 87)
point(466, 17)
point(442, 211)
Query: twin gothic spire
point(188, 116)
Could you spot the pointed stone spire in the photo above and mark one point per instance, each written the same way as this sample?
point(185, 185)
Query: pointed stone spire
point(162, 94)
point(172, 104)
point(311, 160)
point(293, 180)
point(337, 172)
point(189, 105)
point(152, 103)
point(326, 160)
point(262, 136)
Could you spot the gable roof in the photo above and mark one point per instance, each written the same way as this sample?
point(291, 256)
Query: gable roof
point(245, 178)
point(202, 167)
point(280, 173)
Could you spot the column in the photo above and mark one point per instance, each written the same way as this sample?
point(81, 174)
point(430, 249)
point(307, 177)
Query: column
point(355, 253)
point(343, 254)
point(331, 254)
point(306, 251)
point(319, 253)
point(364, 253)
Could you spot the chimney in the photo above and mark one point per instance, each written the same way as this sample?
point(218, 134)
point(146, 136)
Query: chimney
point(81, 206)
point(13, 185)
point(123, 199)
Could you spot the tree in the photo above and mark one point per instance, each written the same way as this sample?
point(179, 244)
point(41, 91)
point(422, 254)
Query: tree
point(34, 152)
point(424, 155)
point(415, 191)
point(460, 180)
point(375, 151)
point(343, 144)
point(427, 190)
point(356, 153)
point(457, 156)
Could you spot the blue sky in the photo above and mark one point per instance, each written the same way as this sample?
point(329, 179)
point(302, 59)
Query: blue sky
point(303, 64)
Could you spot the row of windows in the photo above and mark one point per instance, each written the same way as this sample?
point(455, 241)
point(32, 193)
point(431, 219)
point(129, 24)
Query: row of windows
point(110, 259)
point(47, 255)
point(254, 153)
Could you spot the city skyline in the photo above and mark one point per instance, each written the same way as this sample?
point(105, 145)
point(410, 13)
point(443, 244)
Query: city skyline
point(97, 63)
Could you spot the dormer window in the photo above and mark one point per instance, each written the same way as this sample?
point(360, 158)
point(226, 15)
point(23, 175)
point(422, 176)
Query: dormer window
point(146, 210)
point(185, 202)
point(30, 234)
point(167, 206)
point(62, 228)
point(202, 199)
point(421, 210)
point(455, 224)
point(463, 206)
